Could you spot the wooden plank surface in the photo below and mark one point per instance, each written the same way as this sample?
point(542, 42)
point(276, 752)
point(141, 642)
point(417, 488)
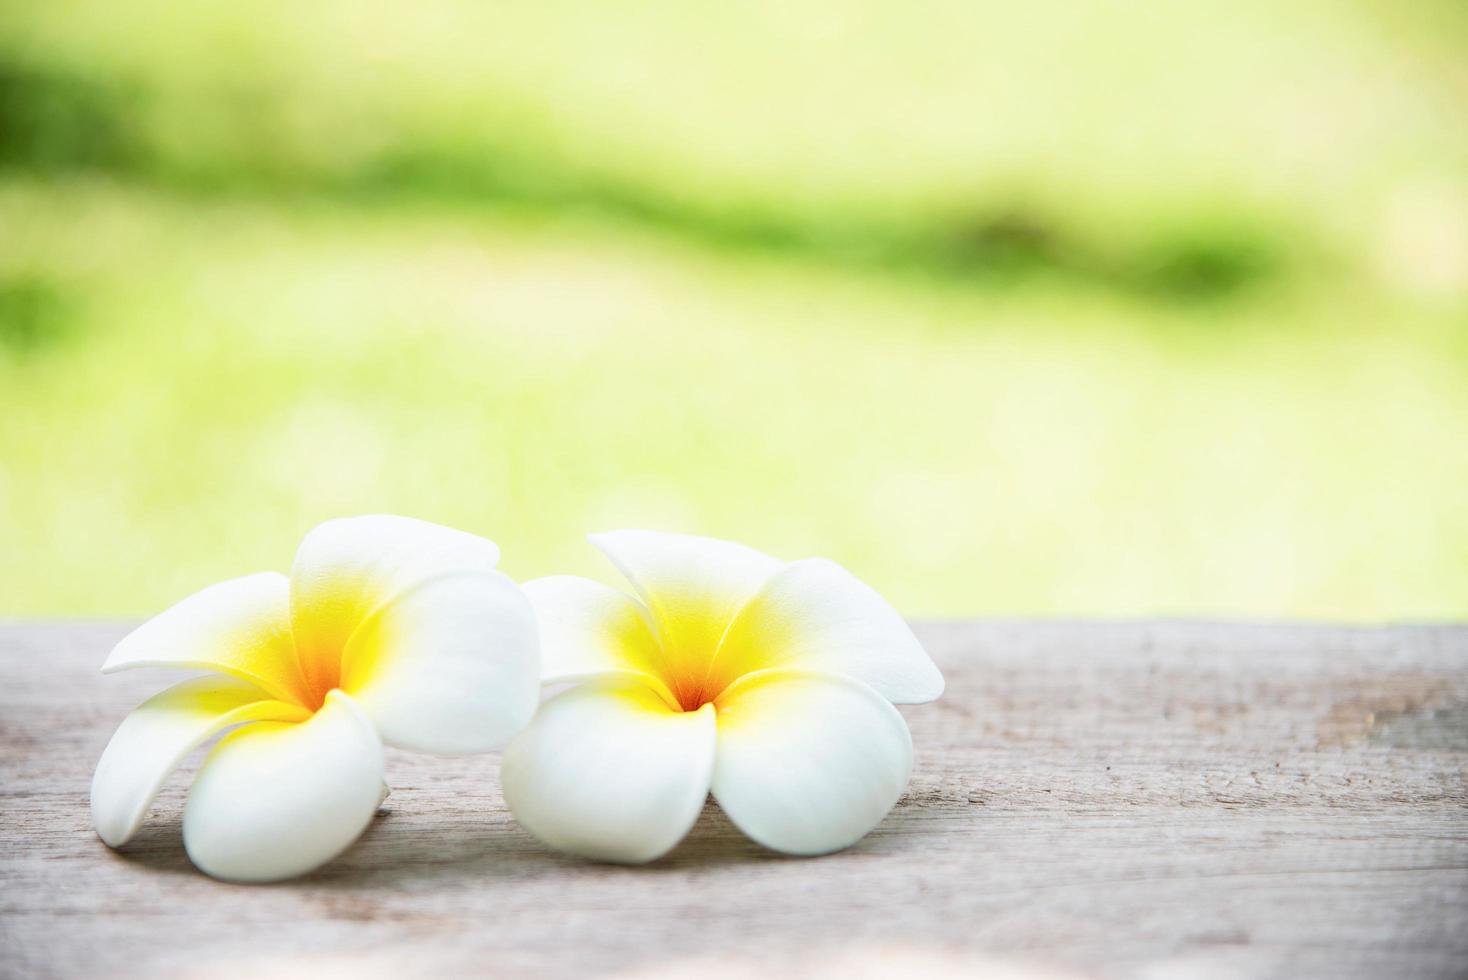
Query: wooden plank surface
point(1149, 799)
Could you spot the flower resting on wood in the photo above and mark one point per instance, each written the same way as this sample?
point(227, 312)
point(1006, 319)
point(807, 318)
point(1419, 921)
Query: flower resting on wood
point(769, 684)
point(388, 630)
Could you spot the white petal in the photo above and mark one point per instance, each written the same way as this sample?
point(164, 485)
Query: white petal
point(808, 763)
point(589, 630)
point(608, 771)
point(815, 615)
point(150, 743)
point(450, 665)
point(346, 568)
point(274, 801)
point(693, 586)
point(240, 627)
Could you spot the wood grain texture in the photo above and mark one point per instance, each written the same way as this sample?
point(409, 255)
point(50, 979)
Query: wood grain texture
point(1151, 799)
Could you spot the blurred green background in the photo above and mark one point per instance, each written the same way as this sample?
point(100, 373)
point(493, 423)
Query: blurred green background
point(1059, 308)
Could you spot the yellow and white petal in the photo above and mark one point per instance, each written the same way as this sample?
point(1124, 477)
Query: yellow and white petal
point(451, 665)
point(693, 587)
point(815, 615)
point(808, 763)
point(590, 630)
point(608, 771)
point(150, 743)
point(273, 801)
point(346, 568)
point(240, 627)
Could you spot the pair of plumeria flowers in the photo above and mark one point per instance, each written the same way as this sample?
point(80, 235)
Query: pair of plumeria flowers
point(770, 684)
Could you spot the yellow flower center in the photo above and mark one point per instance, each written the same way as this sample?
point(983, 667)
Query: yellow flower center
point(322, 670)
point(693, 645)
point(696, 674)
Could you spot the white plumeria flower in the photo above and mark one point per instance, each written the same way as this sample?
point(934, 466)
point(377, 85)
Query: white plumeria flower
point(770, 684)
point(388, 629)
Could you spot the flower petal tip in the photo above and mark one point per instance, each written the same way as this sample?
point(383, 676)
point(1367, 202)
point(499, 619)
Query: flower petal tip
point(607, 771)
point(275, 801)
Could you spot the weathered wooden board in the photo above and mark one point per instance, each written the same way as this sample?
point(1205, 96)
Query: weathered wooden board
point(1154, 799)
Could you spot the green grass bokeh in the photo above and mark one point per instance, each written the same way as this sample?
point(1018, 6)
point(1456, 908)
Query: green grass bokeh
point(1066, 310)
